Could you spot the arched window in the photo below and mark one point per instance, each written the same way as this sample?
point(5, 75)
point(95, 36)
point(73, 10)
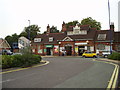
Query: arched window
point(101, 47)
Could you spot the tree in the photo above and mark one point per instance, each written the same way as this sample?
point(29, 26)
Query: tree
point(31, 30)
point(93, 23)
point(12, 39)
point(72, 23)
point(53, 29)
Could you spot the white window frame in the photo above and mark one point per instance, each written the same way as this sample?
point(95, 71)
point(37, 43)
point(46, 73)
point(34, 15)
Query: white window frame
point(50, 39)
point(37, 39)
point(101, 37)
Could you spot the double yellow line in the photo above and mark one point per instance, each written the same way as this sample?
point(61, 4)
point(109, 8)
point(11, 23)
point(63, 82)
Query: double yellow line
point(114, 77)
point(113, 81)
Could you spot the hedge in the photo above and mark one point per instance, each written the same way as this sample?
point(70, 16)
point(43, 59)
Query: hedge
point(24, 60)
point(114, 56)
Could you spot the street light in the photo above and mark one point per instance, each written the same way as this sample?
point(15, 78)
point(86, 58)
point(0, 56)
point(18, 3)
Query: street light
point(110, 28)
point(29, 34)
point(29, 30)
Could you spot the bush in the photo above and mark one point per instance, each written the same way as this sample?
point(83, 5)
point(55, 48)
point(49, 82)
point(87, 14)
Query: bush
point(7, 61)
point(114, 56)
point(24, 60)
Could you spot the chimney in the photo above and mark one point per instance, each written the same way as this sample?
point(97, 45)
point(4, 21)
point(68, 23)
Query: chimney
point(112, 26)
point(48, 29)
point(63, 27)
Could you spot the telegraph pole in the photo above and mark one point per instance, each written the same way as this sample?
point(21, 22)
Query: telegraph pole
point(29, 30)
point(110, 28)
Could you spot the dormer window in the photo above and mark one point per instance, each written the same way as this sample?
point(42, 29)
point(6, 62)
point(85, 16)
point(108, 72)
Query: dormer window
point(101, 36)
point(37, 39)
point(50, 39)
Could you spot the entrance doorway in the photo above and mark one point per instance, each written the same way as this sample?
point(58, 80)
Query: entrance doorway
point(49, 51)
point(81, 50)
point(68, 50)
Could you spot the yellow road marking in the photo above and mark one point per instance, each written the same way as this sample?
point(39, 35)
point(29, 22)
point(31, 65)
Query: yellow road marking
point(114, 77)
point(24, 68)
point(114, 84)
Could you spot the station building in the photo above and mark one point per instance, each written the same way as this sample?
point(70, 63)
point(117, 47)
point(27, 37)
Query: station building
point(74, 40)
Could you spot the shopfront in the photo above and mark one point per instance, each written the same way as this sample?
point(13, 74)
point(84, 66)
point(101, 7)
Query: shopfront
point(49, 49)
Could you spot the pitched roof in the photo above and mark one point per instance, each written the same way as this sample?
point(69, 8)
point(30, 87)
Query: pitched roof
point(24, 39)
point(109, 35)
point(1, 40)
point(90, 35)
point(60, 36)
point(4, 43)
point(56, 37)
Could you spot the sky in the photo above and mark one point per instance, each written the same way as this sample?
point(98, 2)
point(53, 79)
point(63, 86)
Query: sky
point(14, 14)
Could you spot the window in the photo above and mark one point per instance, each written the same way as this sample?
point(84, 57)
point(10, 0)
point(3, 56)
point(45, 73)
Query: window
point(118, 47)
point(70, 33)
point(76, 31)
point(88, 48)
point(101, 36)
point(101, 47)
point(50, 39)
point(21, 42)
point(37, 40)
point(83, 32)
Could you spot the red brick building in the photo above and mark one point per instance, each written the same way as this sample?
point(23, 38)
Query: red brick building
point(74, 40)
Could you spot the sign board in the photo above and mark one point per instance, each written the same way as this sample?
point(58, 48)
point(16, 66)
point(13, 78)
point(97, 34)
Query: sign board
point(81, 43)
point(76, 49)
point(49, 46)
point(56, 49)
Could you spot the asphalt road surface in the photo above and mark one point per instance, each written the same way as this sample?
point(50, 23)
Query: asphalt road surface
point(62, 72)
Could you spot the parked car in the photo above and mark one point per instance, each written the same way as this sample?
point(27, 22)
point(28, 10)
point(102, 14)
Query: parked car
point(17, 54)
point(89, 54)
point(105, 53)
point(7, 52)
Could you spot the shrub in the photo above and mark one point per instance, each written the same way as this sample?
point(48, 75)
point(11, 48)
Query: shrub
point(114, 56)
point(24, 60)
point(17, 62)
point(7, 61)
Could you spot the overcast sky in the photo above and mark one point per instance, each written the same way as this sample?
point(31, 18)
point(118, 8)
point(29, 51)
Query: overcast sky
point(14, 14)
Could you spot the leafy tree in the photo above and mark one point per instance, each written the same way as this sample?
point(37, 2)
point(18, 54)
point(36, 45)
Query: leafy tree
point(93, 23)
point(53, 29)
point(11, 39)
point(72, 23)
point(31, 31)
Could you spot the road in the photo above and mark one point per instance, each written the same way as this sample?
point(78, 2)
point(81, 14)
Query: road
point(62, 72)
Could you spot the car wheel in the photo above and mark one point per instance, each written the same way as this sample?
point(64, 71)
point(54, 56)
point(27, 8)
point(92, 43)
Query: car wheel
point(94, 56)
point(105, 56)
point(84, 56)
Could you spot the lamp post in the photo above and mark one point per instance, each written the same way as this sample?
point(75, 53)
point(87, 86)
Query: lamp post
point(110, 28)
point(29, 30)
point(29, 34)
